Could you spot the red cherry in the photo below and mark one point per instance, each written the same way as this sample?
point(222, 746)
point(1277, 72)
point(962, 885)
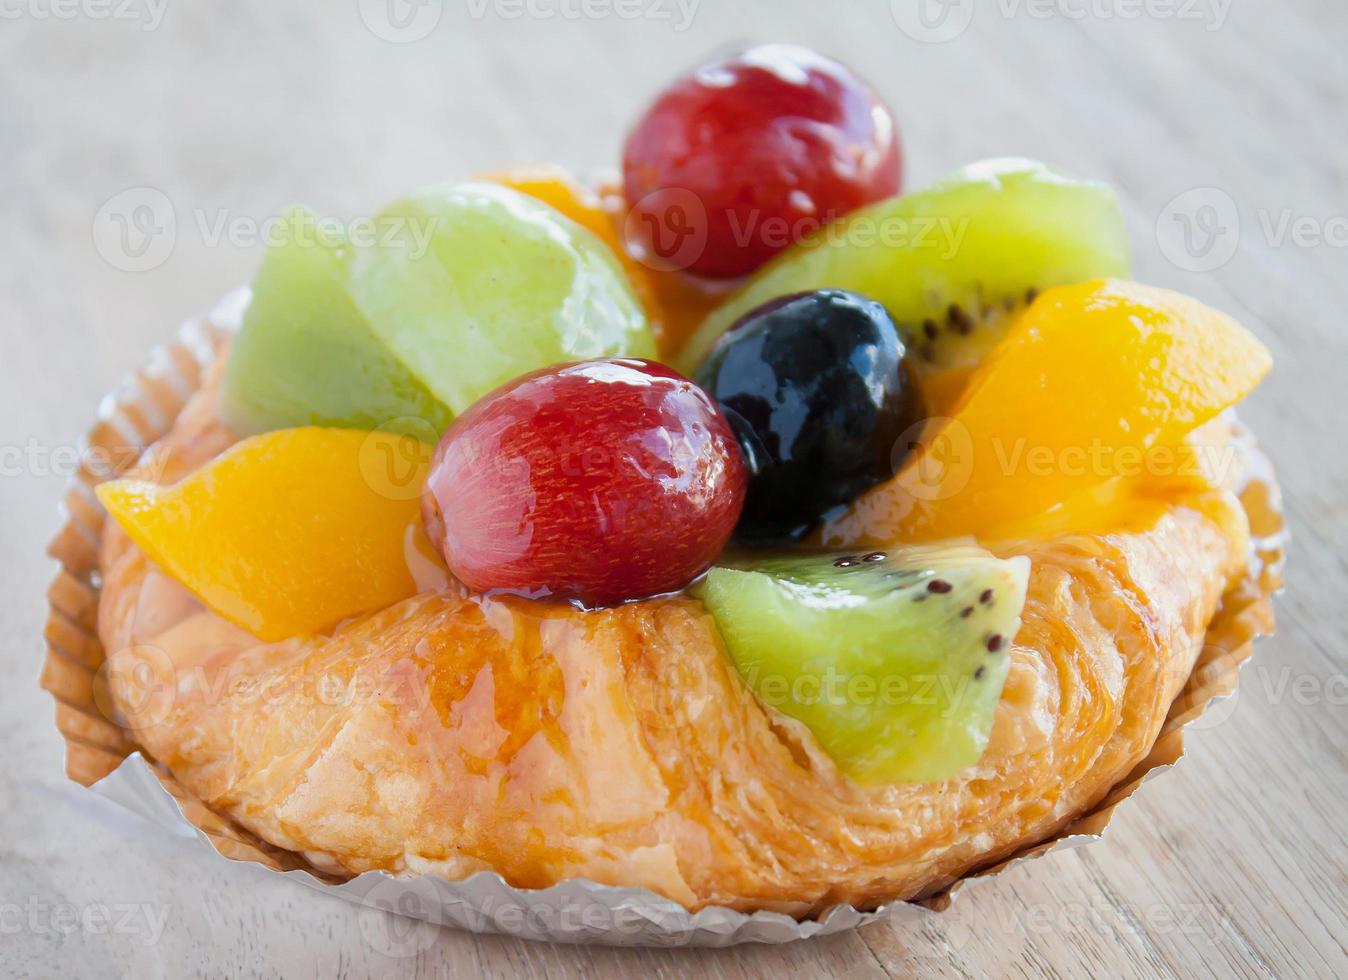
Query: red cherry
point(601, 482)
point(748, 155)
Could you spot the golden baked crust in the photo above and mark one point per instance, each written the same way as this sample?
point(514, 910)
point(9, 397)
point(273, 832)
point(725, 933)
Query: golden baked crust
point(451, 734)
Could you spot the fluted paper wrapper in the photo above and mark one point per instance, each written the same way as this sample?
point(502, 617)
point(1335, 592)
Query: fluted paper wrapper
point(101, 755)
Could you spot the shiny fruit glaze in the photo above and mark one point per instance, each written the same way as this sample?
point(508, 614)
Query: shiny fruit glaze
point(755, 152)
point(817, 388)
point(289, 532)
point(675, 303)
point(600, 482)
point(558, 189)
point(1098, 384)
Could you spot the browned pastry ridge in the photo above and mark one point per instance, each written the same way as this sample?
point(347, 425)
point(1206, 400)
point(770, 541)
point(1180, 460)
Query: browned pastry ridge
point(450, 734)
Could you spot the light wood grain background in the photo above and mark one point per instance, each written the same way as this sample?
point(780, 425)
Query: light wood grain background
point(1234, 864)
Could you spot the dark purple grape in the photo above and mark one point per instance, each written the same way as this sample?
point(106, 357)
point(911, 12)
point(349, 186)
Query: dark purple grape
point(817, 390)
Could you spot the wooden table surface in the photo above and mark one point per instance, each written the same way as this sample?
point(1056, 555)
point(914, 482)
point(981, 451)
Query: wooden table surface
point(1232, 110)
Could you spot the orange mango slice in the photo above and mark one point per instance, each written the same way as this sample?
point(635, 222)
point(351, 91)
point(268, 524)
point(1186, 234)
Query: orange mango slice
point(289, 532)
point(1097, 382)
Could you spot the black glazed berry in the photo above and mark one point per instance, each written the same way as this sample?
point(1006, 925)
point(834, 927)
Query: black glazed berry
point(818, 393)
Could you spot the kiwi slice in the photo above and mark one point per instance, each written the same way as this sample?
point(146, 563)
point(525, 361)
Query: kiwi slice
point(894, 659)
point(953, 263)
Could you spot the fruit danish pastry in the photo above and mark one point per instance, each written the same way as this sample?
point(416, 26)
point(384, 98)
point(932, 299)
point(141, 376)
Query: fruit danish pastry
point(607, 534)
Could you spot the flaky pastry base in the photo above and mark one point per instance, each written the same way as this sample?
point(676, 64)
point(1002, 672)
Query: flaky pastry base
point(451, 734)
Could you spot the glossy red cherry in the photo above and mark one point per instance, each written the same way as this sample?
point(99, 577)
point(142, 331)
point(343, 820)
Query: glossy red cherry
point(600, 482)
point(745, 156)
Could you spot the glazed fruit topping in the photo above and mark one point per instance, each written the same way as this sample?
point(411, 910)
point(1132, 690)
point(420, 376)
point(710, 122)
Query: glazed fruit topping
point(1095, 384)
point(894, 659)
point(288, 532)
point(599, 482)
point(818, 392)
point(469, 285)
point(746, 155)
point(948, 260)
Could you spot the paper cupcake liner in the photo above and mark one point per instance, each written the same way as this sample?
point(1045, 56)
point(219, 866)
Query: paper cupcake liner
point(101, 756)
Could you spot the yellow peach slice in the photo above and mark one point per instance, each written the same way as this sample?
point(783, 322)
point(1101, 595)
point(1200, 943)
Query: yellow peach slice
point(289, 532)
point(1097, 382)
